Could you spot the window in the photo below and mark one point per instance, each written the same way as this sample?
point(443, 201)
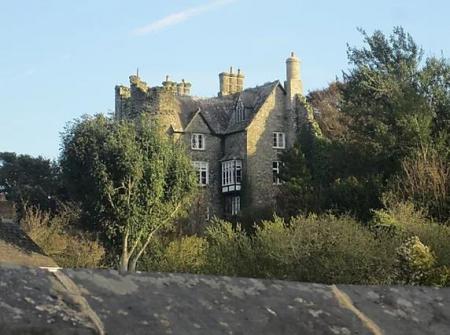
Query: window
point(202, 172)
point(198, 141)
point(235, 205)
point(238, 171)
point(279, 141)
point(240, 112)
point(231, 175)
point(276, 172)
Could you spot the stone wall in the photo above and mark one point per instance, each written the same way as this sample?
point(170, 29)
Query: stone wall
point(160, 102)
point(212, 154)
point(122, 101)
point(235, 145)
point(34, 301)
point(165, 108)
point(272, 117)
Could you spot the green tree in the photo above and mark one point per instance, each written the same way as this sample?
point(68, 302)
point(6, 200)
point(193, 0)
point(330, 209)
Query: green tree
point(322, 174)
point(389, 105)
point(131, 180)
point(28, 180)
point(435, 86)
point(382, 95)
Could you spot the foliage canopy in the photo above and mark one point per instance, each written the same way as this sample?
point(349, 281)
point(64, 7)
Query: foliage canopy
point(131, 180)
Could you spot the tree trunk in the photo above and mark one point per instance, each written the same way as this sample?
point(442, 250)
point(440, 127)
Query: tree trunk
point(124, 261)
point(132, 265)
point(125, 257)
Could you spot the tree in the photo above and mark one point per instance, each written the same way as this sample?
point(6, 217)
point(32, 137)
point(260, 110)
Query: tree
point(425, 181)
point(29, 180)
point(131, 180)
point(435, 86)
point(382, 95)
point(389, 105)
point(326, 104)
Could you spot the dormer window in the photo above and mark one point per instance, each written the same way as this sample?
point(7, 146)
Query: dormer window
point(240, 112)
point(279, 140)
point(198, 142)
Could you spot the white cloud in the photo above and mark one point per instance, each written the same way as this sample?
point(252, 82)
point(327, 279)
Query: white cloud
point(179, 17)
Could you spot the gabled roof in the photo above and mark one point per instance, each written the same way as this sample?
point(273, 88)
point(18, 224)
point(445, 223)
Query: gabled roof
point(252, 99)
point(198, 114)
point(217, 112)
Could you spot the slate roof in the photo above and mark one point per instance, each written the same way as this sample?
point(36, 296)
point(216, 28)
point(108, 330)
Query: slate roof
point(217, 111)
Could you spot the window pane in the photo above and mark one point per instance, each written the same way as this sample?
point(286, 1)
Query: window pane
point(275, 172)
point(238, 173)
point(198, 141)
point(235, 205)
point(202, 172)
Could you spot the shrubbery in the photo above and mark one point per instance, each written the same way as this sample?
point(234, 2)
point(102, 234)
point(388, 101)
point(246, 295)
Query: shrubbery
point(56, 236)
point(399, 246)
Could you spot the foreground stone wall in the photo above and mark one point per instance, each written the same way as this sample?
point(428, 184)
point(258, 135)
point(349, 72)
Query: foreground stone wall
point(34, 301)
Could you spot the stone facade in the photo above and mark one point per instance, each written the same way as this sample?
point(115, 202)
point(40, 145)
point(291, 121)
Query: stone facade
point(234, 139)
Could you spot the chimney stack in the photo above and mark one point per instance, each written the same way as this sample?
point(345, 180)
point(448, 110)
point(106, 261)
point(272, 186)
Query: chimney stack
point(231, 83)
point(293, 83)
point(183, 88)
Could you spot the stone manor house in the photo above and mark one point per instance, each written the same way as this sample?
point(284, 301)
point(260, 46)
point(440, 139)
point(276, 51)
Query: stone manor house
point(234, 139)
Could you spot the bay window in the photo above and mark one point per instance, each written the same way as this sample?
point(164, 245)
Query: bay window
point(231, 175)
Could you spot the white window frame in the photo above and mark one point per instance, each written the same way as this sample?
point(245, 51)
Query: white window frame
point(235, 205)
point(276, 172)
point(231, 172)
point(202, 169)
point(279, 140)
point(198, 141)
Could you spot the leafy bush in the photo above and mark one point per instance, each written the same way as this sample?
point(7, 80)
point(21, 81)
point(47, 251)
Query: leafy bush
point(323, 249)
point(409, 221)
point(187, 254)
point(58, 239)
point(329, 249)
point(229, 250)
point(414, 261)
point(400, 245)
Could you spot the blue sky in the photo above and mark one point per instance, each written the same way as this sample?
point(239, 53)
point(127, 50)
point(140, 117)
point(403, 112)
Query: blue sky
point(60, 59)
